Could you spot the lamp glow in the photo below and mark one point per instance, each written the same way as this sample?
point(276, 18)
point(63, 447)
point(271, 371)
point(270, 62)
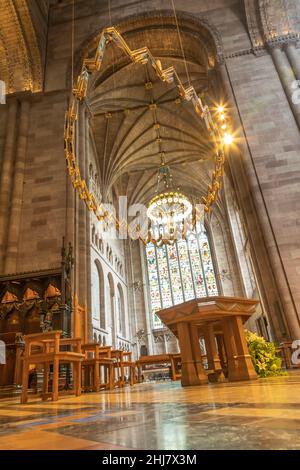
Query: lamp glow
point(228, 139)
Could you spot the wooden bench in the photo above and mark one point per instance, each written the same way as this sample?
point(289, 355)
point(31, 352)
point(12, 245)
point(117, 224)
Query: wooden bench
point(97, 358)
point(171, 359)
point(127, 363)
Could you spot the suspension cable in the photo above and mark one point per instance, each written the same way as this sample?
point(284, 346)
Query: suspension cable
point(181, 44)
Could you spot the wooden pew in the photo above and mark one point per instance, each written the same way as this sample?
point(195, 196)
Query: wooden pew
point(171, 359)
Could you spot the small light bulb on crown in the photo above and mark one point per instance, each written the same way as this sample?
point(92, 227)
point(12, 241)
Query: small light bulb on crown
point(228, 139)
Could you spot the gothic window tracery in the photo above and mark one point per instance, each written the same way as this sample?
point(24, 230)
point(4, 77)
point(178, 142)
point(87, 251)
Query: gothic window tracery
point(180, 272)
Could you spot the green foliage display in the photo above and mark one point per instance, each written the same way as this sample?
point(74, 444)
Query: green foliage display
point(263, 355)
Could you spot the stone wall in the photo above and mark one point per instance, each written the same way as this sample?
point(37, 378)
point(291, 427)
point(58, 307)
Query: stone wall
point(43, 221)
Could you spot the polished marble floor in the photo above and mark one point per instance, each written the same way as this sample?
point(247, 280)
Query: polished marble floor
point(263, 414)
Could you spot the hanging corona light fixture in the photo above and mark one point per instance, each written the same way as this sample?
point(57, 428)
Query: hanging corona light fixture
point(169, 208)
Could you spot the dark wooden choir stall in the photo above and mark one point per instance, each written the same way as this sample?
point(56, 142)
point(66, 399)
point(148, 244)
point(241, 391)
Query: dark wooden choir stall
point(31, 303)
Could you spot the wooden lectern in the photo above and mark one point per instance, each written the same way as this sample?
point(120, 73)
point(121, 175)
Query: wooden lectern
point(211, 317)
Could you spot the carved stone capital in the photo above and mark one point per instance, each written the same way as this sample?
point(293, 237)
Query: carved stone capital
point(283, 41)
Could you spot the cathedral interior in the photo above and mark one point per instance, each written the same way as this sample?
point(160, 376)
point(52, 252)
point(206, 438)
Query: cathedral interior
point(142, 330)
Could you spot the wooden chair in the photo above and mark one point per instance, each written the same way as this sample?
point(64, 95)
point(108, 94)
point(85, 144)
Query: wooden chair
point(117, 355)
point(97, 359)
point(44, 349)
point(127, 363)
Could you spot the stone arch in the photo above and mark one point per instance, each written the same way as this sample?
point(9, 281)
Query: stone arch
point(199, 26)
point(271, 20)
point(19, 46)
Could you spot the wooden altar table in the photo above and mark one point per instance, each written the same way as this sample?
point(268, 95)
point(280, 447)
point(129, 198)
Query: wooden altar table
point(210, 317)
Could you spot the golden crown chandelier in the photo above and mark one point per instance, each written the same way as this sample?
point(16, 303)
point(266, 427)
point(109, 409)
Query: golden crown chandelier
point(167, 209)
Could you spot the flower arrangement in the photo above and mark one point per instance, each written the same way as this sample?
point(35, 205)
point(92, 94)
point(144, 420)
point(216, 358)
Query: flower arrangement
point(263, 355)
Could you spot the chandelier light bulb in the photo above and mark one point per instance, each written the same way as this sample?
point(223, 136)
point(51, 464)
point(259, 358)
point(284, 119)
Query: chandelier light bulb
point(228, 139)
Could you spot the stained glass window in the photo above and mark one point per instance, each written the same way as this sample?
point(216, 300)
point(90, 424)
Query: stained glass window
point(180, 272)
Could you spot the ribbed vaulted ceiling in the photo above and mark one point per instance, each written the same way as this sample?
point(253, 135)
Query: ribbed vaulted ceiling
point(136, 117)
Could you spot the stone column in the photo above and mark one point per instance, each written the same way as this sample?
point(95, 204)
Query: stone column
point(143, 295)
point(17, 193)
point(88, 236)
point(81, 242)
point(294, 58)
point(76, 218)
point(6, 175)
point(165, 343)
point(287, 78)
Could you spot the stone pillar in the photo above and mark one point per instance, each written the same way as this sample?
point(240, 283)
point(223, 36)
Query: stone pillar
point(142, 301)
point(6, 175)
point(165, 343)
point(81, 241)
point(88, 237)
point(287, 77)
point(76, 218)
point(294, 58)
point(17, 192)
